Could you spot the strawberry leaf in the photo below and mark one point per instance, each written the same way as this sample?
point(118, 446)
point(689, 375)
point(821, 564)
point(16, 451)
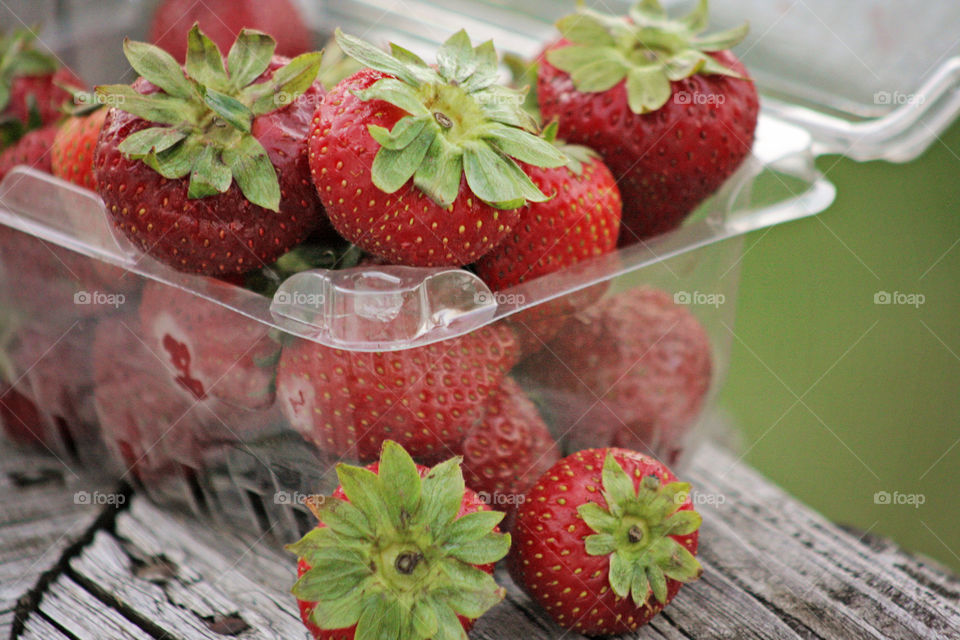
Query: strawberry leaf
point(396, 93)
point(440, 180)
point(455, 59)
point(658, 583)
point(177, 161)
point(617, 486)
point(404, 132)
point(524, 146)
point(254, 173)
point(159, 67)
point(392, 168)
point(209, 176)
point(158, 108)
point(404, 490)
point(154, 139)
point(648, 89)
point(441, 494)
point(585, 29)
point(338, 613)
point(249, 57)
point(230, 109)
point(370, 56)
point(621, 574)
point(205, 62)
point(286, 85)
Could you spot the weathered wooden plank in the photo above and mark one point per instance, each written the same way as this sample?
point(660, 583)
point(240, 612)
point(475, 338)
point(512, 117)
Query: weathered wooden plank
point(39, 628)
point(187, 582)
point(818, 578)
point(773, 569)
point(64, 597)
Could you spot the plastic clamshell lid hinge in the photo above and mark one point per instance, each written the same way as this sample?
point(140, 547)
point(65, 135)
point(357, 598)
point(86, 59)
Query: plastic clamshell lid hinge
point(380, 308)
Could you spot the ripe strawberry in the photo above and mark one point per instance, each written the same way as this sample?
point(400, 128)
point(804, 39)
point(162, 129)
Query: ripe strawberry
point(632, 370)
point(509, 449)
point(148, 421)
point(604, 540)
point(31, 86)
point(426, 398)
point(401, 551)
point(416, 164)
point(580, 221)
point(208, 172)
point(19, 418)
point(74, 146)
point(222, 21)
point(32, 150)
point(208, 348)
point(672, 113)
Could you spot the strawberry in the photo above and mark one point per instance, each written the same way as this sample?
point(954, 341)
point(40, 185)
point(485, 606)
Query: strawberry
point(426, 398)
point(509, 449)
point(632, 370)
point(208, 348)
point(73, 148)
point(400, 551)
point(32, 150)
point(206, 171)
point(417, 164)
point(32, 86)
point(149, 422)
point(672, 113)
point(580, 221)
point(604, 540)
point(222, 21)
point(19, 418)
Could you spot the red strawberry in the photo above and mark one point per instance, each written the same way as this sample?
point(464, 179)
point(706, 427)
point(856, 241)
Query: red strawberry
point(427, 398)
point(222, 21)
point(604, 540)
point(208, 348)
point(19, 418)
point(401, 551)
point(74, 146)
point(632, 370)
point(33, 150)
point(416, 164)
point(53, 369)
point(581, 221)
point(213, 185)
point(672, 113)
point(31, 86)
point(509, 449)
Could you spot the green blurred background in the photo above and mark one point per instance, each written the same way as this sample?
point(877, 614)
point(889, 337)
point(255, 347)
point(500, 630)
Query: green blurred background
point(879, 407)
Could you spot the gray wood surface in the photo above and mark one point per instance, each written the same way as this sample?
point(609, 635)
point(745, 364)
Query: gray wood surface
point(772, 569)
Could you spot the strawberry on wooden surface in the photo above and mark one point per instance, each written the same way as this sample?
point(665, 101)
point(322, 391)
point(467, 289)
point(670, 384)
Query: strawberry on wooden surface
point(400, 551)
point(671, 112)
point(604, 540)
point(418, 164)
point(205, 168)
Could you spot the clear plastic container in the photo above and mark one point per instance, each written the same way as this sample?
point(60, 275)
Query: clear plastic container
point(93, 330)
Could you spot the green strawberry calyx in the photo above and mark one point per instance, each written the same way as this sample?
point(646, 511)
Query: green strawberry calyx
point(18, 58)
point(205, 115)
point(396, 560)
point(636, 530)
point(460, 122)
point(646, 48)
point(577, 155)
